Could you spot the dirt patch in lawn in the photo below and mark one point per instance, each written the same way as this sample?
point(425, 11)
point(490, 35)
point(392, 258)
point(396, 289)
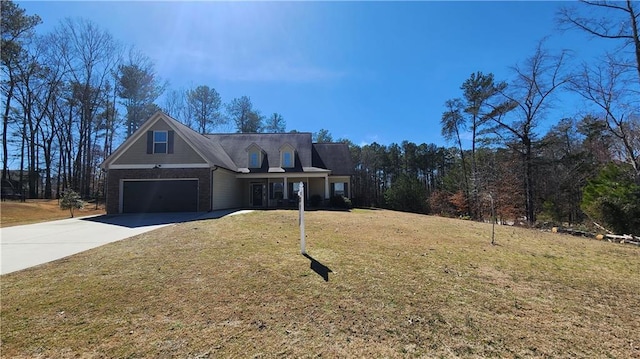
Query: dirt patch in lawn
point(378, 284)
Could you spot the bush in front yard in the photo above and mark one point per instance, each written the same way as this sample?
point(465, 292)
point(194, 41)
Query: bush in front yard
point(340, 202)
point(315, 200)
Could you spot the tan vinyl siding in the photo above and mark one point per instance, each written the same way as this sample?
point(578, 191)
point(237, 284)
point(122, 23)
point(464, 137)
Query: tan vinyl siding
point(245, 192)
point(137, 153)
point(226, 190)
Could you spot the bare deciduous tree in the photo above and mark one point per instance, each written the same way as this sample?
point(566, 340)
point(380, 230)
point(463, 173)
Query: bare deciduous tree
point(90, 55)
point(615, 20)
point(612, 85)
point(17, 27)
point(529, 96)
point(608, 87)
point(175, 106)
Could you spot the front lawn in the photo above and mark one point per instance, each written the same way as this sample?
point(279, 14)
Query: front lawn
point(377, 284)
point(13, 213)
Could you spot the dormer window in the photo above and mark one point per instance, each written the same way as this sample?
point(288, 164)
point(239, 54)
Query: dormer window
point(287, 157)
point(255, 156)
point(254, 161)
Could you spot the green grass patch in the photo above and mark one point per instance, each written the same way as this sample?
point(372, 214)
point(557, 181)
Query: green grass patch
point(378, 284)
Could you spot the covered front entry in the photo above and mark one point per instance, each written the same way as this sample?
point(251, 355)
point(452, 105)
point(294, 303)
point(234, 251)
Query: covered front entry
point(257, 194)
point(278, 189)
point(143, 196)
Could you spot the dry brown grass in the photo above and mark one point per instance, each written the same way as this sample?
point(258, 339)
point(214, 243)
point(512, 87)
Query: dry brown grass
point(13, 213)
point(401, 285)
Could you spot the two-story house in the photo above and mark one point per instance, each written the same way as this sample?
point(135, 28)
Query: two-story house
point(167, 167)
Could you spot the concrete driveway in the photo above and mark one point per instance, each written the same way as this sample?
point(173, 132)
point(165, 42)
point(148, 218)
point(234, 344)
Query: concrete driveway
point(30, 245)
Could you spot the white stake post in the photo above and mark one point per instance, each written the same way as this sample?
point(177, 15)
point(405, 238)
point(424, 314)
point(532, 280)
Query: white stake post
point(303, 249)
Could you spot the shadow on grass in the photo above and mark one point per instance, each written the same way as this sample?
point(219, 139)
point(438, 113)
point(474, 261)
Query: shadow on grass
point(321, 269)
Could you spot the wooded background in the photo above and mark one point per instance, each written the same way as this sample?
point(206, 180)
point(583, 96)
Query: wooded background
point(71, 96)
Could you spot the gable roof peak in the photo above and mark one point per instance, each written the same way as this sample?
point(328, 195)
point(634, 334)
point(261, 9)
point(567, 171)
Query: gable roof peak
point(253, 146)
point(286, 146)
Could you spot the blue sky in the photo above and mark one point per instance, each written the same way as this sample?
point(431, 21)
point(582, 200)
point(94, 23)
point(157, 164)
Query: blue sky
point(366, 71)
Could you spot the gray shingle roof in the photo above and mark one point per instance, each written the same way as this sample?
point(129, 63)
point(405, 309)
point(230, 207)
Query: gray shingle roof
point(230, 151)
point(236, 145)
point(333, 156)
point(211, 150)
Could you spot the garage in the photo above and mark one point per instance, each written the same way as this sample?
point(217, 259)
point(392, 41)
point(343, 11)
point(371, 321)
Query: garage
point(175, 195)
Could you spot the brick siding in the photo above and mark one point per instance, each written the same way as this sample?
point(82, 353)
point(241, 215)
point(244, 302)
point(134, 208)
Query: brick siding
point(202, 174)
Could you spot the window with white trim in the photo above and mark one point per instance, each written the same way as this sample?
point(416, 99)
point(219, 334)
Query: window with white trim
point(254, 159)
point(287, 160)
point(287, 157)
point(255, 156)
point(160, 141)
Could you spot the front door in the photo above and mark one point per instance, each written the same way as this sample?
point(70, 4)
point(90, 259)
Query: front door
point(256, 194)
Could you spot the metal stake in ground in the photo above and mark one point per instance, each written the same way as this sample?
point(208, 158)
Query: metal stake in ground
point(303, 249)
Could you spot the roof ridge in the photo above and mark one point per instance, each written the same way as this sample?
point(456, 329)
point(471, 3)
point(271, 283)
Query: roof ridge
point(217, 155)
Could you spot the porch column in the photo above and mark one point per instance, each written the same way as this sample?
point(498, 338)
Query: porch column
point(326, 186)
point(285, 190)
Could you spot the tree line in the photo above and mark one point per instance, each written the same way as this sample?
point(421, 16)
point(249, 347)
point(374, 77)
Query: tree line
point(70, 96)
point(583, 169)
